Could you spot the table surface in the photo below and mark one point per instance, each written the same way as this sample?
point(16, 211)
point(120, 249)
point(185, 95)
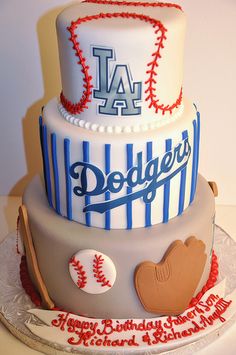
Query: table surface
point(9, 345)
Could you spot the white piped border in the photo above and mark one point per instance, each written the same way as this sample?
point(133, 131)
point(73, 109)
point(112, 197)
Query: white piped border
point(156, 123)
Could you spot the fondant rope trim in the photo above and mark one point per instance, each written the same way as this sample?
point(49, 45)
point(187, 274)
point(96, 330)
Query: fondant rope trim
point(98, 272)
point(210, 282)
point(160, 31)
point(132, 3)
point(27, 284)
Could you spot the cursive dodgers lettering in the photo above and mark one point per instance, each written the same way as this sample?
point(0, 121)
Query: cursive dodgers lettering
point(145, 179)
point(83, 177)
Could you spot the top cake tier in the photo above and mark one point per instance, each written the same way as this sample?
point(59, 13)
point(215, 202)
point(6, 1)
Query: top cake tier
point(121, 63)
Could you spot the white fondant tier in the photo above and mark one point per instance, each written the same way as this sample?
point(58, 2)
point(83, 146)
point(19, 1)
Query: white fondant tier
point(56, 240)
point(119, 181)
point(122, 62)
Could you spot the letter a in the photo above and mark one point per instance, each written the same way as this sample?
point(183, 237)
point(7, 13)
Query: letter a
point(117, 90)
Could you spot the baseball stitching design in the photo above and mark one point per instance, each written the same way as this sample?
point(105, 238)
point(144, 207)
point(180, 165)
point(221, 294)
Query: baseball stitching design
point(92, 271)
point(132, 3)
point(98, 272)
point(82, 279)
point(160, 31)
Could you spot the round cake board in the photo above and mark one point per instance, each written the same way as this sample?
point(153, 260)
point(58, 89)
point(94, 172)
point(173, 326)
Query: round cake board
point(15, 303)
point(32, 343)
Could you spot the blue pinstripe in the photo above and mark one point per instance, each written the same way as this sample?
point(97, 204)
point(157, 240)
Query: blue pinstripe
point(55, 171)
point(129, 153)
point(41, 143)
point(182, 182)
point(107, 193)
point(198, 145)
point(68, 178)
point(167, 189)
point(196, 135)
point(148, 205)
point(47, 165)
point(86, 159)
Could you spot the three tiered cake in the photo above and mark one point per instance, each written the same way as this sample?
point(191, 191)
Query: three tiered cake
point(124, 226)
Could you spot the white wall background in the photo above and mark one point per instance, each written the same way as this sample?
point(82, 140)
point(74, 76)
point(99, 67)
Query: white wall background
point(29, 77)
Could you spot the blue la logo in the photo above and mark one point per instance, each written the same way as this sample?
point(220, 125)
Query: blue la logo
point(116, 88)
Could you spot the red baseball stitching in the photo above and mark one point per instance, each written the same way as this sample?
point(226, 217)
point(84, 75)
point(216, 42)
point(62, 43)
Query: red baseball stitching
point(152, 71)
point(77, 108)
point(77, 266)
point(98, 273)
point(132, 3)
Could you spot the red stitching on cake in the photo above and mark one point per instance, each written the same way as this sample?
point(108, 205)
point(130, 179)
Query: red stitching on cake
point(152, 71)
point(78, 267)
point(132, 3)
point(160, 30)
point(210, 282)
point(98, 273)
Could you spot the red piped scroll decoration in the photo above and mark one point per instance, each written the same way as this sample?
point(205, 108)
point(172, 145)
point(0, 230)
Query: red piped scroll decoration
point(132, 3)
point(160, 31)
point(82, 279)
point(98, 273)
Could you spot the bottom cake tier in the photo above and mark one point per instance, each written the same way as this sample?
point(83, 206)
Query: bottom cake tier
point(109, 274)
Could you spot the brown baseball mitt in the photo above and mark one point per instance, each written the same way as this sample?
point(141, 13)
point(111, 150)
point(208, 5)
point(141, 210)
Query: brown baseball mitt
point(168, 287)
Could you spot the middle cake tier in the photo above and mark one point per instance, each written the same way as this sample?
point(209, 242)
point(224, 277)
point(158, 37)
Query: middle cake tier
point(120, 181)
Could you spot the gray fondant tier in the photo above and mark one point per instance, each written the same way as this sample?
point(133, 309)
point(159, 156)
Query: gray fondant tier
point(56, 240)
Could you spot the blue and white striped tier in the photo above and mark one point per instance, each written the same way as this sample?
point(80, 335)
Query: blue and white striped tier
point(120, 181)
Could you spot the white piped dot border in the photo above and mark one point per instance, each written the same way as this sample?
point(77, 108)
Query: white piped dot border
point(156, 123)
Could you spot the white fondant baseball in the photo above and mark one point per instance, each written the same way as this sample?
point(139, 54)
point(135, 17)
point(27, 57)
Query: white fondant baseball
point(92, 271)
